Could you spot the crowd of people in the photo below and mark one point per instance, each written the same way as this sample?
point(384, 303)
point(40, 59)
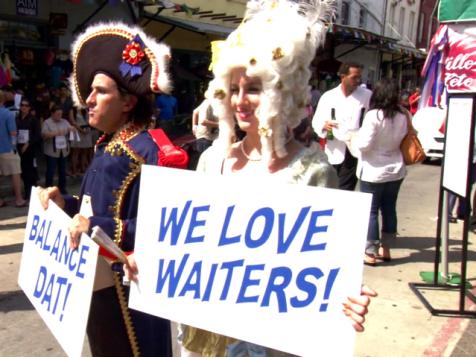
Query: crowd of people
point(43, 128)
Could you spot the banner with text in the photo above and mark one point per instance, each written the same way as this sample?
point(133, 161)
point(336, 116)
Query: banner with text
point(56, 279)
point(262, 262)
point(460, 62)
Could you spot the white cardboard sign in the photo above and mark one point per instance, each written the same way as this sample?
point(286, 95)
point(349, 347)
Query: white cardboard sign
point(458, 133)
point(262, 262)
point(56, 279)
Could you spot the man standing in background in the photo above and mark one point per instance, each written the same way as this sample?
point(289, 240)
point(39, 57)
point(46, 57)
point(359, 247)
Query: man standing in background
point(205, 126)
point(9, 159)
point(167, 109)
point(339, 110)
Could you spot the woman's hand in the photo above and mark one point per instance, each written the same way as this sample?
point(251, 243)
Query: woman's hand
point(50, 193)
point(356, 307)
point(79, 225)
point(130, 268)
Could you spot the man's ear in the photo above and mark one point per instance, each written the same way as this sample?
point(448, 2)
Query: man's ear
point(130, 102)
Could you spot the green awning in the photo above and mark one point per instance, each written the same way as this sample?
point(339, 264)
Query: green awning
point(457, 10)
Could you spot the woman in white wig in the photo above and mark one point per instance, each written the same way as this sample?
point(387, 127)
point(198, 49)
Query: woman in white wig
point(261, 82)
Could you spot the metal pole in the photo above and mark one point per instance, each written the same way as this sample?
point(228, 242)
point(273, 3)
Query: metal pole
point(445, 237)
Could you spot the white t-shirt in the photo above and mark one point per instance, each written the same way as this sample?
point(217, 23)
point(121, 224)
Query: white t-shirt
point(205, 111)
point(347, 113)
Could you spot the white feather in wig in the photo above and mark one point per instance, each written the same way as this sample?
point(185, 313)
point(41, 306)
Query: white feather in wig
point(136, 61)
point(276, 42)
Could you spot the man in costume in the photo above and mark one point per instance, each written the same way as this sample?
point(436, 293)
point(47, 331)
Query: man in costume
point(116, 70)
point(339, 110)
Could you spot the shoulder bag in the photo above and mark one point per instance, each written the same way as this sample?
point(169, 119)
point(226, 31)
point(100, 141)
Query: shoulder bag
point(411, 148)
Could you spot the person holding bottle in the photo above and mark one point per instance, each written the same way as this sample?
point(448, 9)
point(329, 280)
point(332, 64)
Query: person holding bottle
point(339, 110)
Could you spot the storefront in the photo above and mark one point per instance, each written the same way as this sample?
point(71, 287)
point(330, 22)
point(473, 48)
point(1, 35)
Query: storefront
point(402, 63)
point(189, 37)
point(35, 37)
point(348, 44)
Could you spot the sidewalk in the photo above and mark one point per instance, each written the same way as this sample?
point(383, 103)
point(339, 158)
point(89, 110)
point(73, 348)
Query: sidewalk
point(397, 325)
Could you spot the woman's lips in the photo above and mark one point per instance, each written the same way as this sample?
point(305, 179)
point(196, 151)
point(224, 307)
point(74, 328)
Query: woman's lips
point(243, 115)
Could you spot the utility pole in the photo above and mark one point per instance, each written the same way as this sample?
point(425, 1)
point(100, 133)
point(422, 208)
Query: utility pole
point(384, 17)
point(383, 35)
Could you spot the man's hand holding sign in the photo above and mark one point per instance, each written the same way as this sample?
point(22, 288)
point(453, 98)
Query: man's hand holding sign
point(57, 279)
point(245, 256)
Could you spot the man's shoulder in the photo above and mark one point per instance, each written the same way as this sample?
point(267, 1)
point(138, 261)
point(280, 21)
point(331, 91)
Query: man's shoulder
point(361, 92)
point(144, 146)
point(328, 94)
point(143, 139)
point(331, 93)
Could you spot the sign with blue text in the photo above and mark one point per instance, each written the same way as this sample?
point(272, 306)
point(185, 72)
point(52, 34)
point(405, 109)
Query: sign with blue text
point(57, 280)
point(256, 260)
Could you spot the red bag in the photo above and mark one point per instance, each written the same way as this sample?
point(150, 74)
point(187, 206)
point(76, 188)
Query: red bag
point(170, 155)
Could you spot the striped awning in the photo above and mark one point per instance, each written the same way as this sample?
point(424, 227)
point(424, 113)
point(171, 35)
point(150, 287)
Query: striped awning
point(358, 35)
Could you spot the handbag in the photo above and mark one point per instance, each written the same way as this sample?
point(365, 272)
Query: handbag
point(411, 148)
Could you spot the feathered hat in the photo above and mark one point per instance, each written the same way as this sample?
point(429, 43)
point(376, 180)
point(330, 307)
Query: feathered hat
point(276, 41)
point(133, 59)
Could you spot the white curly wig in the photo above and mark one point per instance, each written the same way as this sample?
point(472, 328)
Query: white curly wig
point(276, 42)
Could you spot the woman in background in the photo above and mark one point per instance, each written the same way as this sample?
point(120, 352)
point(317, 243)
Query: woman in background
point(55, 132)
point(381, 168)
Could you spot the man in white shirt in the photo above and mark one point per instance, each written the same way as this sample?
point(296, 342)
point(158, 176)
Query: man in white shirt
point(205, 125)
point(339, 110)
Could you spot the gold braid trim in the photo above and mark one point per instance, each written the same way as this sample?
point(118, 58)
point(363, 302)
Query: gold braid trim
point(117, 147)
point(126, 316)
point(118, 231)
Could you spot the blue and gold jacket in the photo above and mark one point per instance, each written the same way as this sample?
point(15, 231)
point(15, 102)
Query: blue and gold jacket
point(112, 182)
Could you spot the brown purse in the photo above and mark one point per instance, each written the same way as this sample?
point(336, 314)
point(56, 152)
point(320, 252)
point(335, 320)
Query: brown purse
point(411, 148)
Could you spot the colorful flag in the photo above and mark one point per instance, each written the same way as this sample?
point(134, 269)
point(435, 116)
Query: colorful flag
point(433, 70)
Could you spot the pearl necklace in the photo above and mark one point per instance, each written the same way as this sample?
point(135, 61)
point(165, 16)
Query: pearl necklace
point(248, 157)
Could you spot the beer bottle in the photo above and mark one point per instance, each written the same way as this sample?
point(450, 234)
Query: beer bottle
point(330, 134)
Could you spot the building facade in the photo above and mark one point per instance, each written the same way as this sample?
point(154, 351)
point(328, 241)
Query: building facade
point(363, 20)
point(428, 23)
point(404, 60)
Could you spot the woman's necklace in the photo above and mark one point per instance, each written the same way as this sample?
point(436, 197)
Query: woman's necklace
point(248, 157)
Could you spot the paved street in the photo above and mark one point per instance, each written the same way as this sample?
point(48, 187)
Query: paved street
point(398, 324)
